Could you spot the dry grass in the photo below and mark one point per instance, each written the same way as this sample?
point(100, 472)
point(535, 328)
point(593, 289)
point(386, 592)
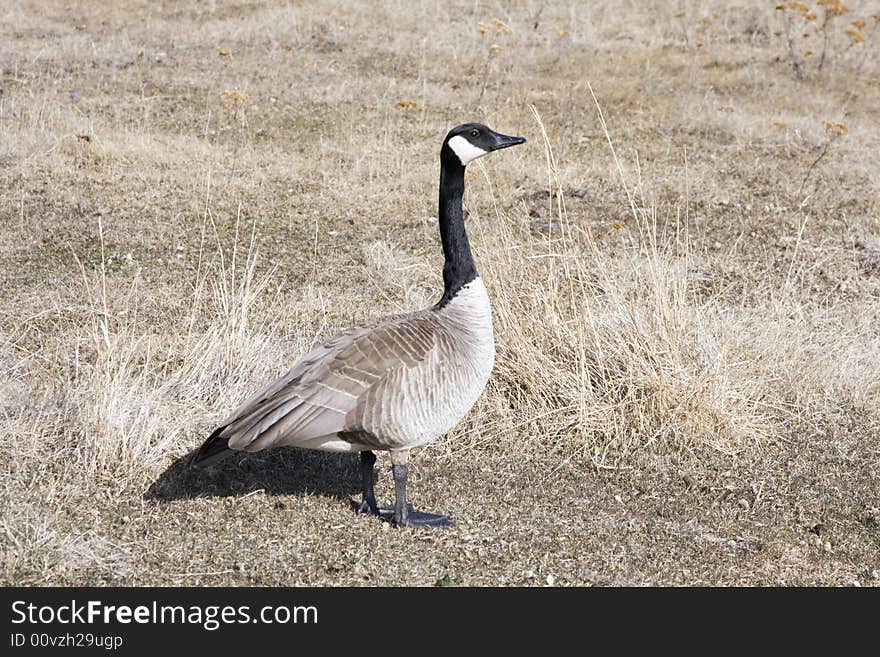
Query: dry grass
point(684, 264)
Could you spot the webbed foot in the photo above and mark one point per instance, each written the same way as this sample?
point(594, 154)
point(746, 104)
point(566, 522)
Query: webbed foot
point(412, 518)
point(367, 507)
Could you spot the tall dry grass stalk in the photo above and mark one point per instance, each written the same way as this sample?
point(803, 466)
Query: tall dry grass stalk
point(600, 355)
point(129, 395)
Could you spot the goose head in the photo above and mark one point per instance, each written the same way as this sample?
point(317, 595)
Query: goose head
point(467, 142)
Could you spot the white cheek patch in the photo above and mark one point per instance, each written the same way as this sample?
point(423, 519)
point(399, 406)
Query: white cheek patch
point(465, 150)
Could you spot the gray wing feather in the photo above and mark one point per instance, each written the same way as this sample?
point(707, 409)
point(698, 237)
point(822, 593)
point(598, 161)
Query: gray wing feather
point(317, 395)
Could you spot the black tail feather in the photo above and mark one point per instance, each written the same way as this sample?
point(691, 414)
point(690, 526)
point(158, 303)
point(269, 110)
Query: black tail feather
point(215, 448)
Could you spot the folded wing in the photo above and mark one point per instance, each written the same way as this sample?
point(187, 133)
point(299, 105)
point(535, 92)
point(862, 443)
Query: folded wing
point(317, 396)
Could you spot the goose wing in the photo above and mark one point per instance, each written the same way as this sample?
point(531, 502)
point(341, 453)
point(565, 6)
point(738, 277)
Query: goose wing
point(317, 395)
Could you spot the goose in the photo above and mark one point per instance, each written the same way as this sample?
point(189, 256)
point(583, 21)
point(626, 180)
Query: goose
point(395, 383)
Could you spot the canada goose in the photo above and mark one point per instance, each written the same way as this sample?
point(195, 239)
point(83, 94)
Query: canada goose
point(395, 383)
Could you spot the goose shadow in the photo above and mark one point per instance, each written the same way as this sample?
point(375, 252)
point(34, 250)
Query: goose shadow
point(280, 471)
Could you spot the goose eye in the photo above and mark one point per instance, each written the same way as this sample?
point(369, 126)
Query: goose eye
point(475, 133)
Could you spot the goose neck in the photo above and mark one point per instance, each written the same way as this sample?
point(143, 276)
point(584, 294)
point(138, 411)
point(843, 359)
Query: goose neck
point(458, 266)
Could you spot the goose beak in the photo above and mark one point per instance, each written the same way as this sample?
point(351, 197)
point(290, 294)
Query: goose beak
point(504, 141)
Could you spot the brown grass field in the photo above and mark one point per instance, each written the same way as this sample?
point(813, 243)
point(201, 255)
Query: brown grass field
point(684, 265)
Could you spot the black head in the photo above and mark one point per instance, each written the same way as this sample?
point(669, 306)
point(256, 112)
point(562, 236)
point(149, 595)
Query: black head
point(469, 141)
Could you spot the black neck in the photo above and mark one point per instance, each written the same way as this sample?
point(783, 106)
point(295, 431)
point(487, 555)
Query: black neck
point(458, 268)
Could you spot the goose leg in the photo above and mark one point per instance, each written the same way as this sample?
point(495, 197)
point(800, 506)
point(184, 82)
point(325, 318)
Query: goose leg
point(403, 514)
point(368, 505)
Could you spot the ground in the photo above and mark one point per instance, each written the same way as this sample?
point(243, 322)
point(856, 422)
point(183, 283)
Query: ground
point(683, 260)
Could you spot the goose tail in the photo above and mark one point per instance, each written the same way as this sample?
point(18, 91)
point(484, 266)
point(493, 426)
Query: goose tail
point(213, 450)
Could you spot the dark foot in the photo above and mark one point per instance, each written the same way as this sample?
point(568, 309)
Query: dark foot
point(413, 518)
point(366, 507)
point(387, 512)
point(403, 514)
point(421, 519)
